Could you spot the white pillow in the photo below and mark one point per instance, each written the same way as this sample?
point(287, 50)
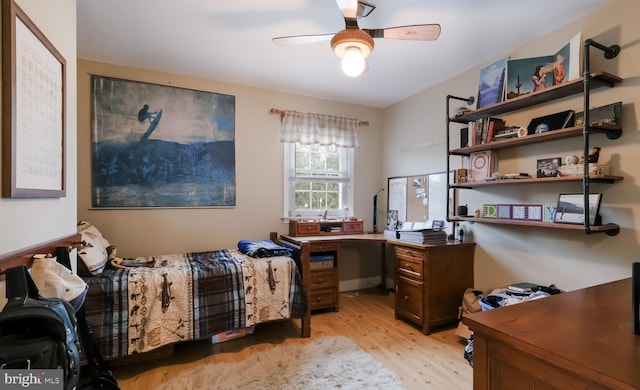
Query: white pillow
point(94, 251)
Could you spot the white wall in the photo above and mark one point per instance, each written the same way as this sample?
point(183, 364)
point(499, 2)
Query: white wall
point(26, 222)
point(510, 253)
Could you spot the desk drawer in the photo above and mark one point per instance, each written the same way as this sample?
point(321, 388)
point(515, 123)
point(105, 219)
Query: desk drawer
point(409, 303)
point(323, 279)
point(306, 229)
point(410, 268)
point(321, 299)
point(324, 246)
point(410, 253)
point(352, 227)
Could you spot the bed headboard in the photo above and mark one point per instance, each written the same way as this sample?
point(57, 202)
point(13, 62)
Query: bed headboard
point(25, 256)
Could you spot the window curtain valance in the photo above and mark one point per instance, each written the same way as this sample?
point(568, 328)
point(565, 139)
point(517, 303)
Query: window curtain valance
point(309, 129)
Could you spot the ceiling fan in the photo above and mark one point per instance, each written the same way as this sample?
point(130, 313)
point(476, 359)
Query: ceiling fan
point(354, 44)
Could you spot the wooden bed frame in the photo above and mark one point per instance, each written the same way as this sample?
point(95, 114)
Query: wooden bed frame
point(25, 257)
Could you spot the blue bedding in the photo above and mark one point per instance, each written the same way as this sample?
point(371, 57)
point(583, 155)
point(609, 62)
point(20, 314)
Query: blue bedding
point(262, 248)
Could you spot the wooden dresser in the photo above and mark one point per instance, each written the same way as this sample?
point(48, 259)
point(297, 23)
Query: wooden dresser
point(581, 339)
point(430, 281)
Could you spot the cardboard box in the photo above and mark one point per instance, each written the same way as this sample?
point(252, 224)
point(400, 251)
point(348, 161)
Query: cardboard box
point(595, 171)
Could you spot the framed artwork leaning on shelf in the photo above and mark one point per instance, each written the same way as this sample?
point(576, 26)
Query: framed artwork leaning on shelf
point(570, 208)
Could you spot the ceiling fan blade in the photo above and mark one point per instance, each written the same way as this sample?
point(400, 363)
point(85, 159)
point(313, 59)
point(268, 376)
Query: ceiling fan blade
point(301, 39)
point(416, 32)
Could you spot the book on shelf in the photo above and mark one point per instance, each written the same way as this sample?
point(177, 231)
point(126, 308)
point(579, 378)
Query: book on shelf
point(523, 287)
point(482, 130)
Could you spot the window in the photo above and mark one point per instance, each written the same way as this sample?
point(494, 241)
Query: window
point(318, 179)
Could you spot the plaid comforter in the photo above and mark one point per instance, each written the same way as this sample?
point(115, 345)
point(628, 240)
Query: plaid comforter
point(187, 296)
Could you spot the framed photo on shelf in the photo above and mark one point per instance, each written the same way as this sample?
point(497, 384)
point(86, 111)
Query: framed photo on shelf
point(570, 208)
point(548, 167)
point(504, 211)
point(33, 93)
point(519, 211)
point(534, 212)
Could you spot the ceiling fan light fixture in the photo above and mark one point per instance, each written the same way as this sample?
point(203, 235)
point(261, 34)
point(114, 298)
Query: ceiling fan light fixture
point(352, 38)
point(353, 62)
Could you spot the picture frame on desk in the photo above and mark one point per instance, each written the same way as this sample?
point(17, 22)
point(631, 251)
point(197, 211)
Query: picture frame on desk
point(570, 208)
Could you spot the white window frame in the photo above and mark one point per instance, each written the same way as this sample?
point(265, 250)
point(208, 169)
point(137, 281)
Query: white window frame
point(346, 161)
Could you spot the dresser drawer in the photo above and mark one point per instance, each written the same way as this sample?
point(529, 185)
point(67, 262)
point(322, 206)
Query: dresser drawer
point(320, 299)
point(409, 303)
point(324, 246)
point(323, 279)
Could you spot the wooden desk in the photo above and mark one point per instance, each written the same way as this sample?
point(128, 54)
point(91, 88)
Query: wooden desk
point(324, 292)
point(581, 339)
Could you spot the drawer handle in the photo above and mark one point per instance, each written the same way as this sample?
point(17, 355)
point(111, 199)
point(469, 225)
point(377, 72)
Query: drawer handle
point(406, 297)
point(319, 280)
point(407, 266)
point(318, 299)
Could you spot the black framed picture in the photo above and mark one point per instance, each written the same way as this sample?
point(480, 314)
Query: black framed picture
point(548, 167)
point(570, 208)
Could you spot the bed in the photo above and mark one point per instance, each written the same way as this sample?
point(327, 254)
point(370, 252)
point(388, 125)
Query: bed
point(137, 308)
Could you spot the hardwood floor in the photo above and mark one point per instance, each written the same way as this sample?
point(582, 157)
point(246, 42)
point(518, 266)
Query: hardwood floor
point(421, 362)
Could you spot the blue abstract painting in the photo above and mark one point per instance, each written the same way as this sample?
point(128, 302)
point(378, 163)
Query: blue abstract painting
point(161, 146)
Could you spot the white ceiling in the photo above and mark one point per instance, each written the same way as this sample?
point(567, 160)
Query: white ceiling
point(230, 41)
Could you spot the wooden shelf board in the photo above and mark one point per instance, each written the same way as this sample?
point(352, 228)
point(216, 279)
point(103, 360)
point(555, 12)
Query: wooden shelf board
point(501, 221)
point(534, 180)
point(531, 139)
point(598, 80)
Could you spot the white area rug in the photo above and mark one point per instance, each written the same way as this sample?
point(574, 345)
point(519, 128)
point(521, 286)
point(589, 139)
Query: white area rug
point(325, 363)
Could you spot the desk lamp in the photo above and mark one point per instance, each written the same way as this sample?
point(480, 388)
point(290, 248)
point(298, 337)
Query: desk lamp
point(375, 208)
